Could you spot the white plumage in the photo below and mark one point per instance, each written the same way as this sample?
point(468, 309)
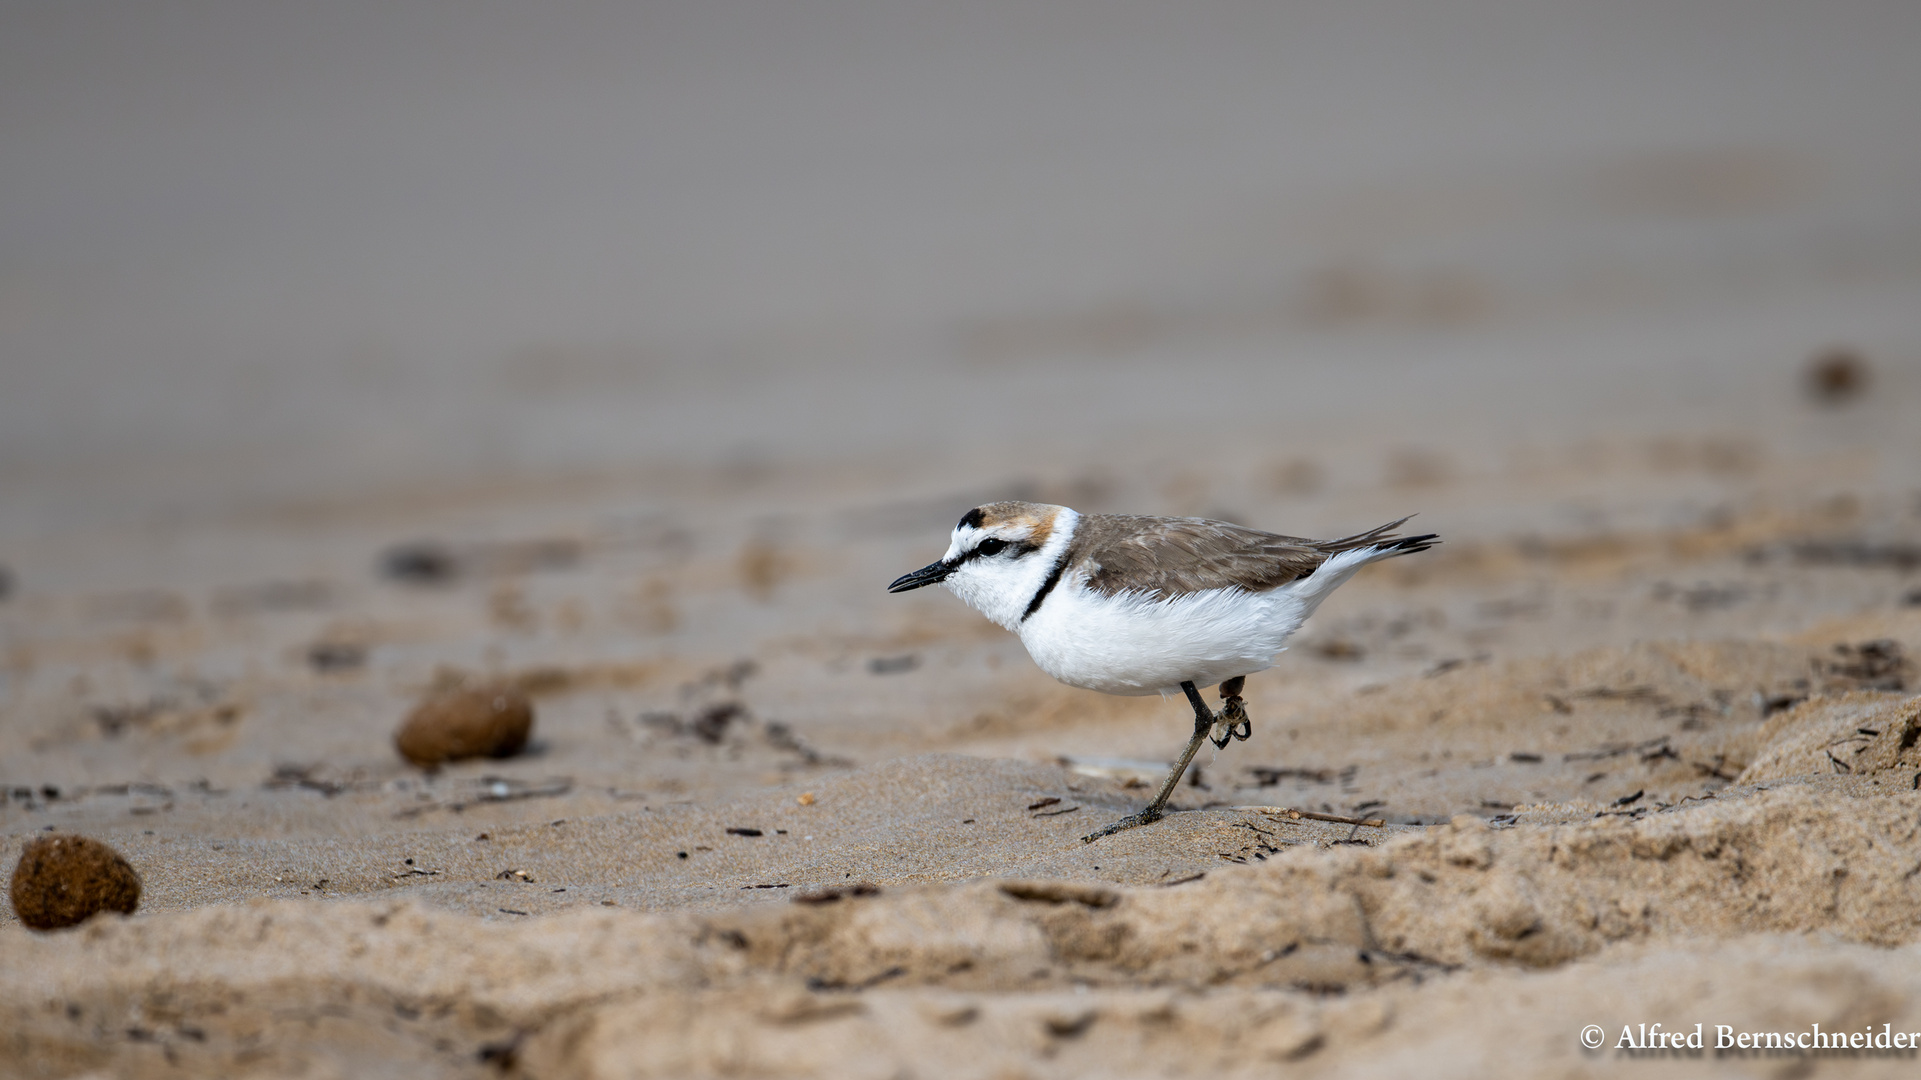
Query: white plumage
point(1134, 643)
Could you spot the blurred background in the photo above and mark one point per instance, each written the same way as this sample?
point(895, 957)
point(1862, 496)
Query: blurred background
point(283, 285)
point(257, 251)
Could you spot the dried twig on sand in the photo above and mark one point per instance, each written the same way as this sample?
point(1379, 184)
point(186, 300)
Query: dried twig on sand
point(1296, 815)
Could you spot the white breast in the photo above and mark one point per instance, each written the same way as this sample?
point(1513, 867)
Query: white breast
point(1130, 644)
point(1134, 644)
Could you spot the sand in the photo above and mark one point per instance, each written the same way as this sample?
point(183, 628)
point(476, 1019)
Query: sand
point(774, 822)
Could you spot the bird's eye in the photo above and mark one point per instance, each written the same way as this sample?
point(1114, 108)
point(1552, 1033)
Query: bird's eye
point(991, 546)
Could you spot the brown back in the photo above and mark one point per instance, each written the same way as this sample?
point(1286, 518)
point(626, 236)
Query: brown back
point(1169, 557)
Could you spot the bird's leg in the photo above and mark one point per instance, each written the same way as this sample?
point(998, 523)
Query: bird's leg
point(1233, 722)
point(1203, 723)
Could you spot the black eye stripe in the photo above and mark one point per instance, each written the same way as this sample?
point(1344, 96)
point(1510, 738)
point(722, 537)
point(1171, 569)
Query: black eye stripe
point(1019, 548)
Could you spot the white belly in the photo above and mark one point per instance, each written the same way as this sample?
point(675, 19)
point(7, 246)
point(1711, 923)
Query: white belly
point(1135, 645)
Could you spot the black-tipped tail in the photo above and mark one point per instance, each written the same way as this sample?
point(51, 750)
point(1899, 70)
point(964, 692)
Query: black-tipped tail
point(1408, 545)
point(1383, 539)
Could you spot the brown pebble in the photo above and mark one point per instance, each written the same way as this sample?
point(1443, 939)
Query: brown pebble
point(1837, 374)
point(63, 881)
point(479, 721)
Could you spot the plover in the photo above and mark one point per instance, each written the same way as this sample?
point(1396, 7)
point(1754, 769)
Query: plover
point(1144, 605)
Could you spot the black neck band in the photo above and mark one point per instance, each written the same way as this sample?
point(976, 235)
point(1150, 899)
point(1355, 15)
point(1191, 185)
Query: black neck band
point(1053, 579)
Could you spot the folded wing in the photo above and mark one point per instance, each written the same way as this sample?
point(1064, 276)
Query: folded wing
point(1169, 557)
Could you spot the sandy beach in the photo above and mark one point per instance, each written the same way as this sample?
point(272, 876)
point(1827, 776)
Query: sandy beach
point(1625, 777)
point(1638, 739)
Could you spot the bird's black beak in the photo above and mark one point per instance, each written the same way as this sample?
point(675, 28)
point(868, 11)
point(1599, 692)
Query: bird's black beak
point(931, 574)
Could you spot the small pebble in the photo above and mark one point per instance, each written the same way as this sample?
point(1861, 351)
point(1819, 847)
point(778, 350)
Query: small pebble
point(63, 881)
point(482, 721)
point(420, 563)
point(330, 656)
point(1836, 375)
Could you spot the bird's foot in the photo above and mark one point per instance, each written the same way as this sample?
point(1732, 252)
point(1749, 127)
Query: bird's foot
point(1132, 821)
point(1231, 723)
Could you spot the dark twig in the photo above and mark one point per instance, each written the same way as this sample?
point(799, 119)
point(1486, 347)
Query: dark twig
point(1296, 815)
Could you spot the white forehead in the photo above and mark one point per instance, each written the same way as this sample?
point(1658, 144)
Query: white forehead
point(965, 537)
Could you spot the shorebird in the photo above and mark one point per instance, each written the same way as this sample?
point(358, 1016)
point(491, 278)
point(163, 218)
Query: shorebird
point(1137, 605)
